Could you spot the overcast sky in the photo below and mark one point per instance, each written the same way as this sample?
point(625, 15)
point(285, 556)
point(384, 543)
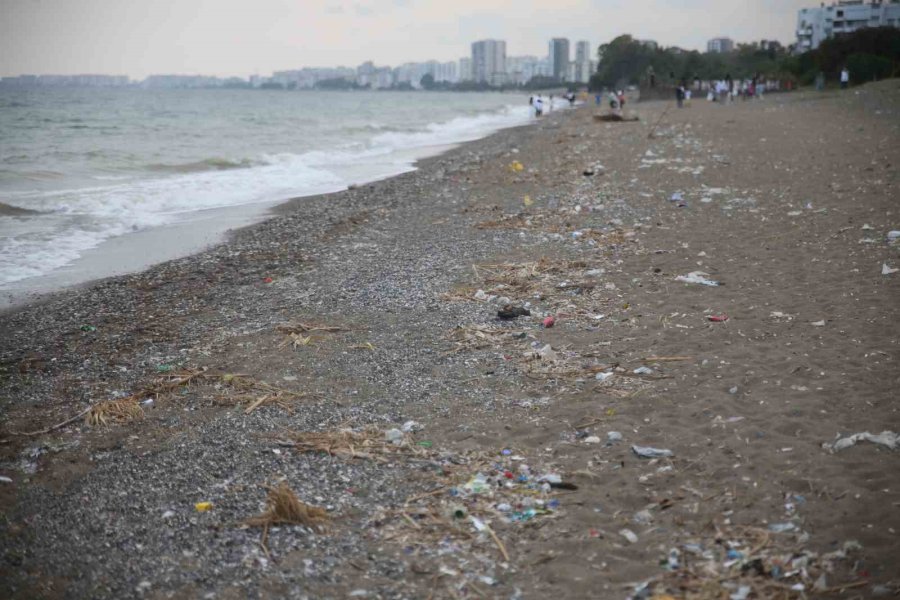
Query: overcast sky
point(243, 37)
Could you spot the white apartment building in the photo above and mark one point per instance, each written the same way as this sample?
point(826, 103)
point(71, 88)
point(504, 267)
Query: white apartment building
point(521, 69)
point(583, 66)
point(815, 25)
point(489, 62)
point(720, 45)
point(465, 69)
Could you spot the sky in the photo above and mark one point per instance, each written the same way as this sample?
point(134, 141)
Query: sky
point(245, 37)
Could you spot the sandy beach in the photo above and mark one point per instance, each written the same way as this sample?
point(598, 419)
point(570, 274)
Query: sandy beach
point(635, 435)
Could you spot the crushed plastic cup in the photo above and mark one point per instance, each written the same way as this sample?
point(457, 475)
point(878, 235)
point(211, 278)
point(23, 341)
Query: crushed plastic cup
point(203, 506)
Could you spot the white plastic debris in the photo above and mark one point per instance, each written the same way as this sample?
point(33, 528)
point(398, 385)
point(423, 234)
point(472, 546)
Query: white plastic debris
point(648, 452)
point(742, 594)
point(614, 436)
point(395, 436)
point(885, 438)
point(893, 236)
point(547, 353)
point(782, 527)
point(629, 535)
point(818, 323)
point(886, 270)
point(698, 277)
point(593, 439)
point(411, 426)
point(603, 376)
point(643, 371)
point(5, 479)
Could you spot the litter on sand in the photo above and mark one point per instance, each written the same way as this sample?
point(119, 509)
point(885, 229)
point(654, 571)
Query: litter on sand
point(648, 452)
point(698, 277)
point(886, 270)
point(885, 438)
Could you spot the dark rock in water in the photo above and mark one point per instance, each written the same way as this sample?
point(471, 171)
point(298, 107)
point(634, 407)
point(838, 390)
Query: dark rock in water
point(511, 312)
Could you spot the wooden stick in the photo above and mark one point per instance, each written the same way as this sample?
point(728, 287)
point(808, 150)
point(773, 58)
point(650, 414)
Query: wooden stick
point(498, 542)
point(841, 588)
point(53, 427)
point(666, 358)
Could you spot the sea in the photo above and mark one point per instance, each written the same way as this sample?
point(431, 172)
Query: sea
point(82, 167)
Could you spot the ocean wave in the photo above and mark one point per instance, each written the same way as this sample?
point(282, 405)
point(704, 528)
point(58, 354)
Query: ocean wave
point(7, 210)
point(209, 164)
point(83, 217)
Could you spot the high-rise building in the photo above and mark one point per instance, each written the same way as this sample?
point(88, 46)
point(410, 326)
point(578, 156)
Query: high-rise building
point(465, 69)
point(559, 57)
point(489, 62)
point(815, 25)
point(720, 45)
point(583, 66)
point(521, 69)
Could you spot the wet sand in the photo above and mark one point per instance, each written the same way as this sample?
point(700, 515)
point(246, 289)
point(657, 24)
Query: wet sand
point(786, 202)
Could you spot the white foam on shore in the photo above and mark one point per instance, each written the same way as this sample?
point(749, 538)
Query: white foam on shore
point(73, 221)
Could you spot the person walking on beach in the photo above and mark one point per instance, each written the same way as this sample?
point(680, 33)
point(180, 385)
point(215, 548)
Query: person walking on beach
point(538, 106)
point(679, 96)
point(845, 78)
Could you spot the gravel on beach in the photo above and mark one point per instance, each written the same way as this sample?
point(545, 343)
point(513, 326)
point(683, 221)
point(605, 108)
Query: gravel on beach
point(723, 304)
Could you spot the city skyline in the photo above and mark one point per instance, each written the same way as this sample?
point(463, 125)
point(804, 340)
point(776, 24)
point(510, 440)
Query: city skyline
point(228, 38)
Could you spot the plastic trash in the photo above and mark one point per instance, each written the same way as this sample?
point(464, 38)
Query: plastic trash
point(643, 371)
point(818, 323)
point(592, 439)
point(411, 426)
point(88, 328)
point(885, 438)
point(742, 594)
point(5, 479)
point(614, 436)
point(629, 535)
point(698, 277)
point(203, 506)
point(782, 527)
point(549, 322)
point(676, 197)
point(394, 436)
point(648, 452)
point(717, 318)
point(603, 376)
point(893, 235)
point(548, 353)
point(886, 270)
point(516, 167)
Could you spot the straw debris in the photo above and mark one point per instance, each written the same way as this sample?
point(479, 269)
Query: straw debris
point(113, 411)
point(369, 443)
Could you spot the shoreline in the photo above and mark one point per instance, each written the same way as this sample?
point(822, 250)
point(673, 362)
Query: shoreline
point(360, 312)
point(135, 252)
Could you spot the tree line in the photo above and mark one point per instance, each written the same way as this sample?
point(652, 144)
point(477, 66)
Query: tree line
point(869, 54)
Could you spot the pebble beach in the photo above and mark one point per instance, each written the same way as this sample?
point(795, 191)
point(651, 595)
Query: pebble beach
point(712, 302)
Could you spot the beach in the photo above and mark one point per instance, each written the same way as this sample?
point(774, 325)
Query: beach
point(720, 281)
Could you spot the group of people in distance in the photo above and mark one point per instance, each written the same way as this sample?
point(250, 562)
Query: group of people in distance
point(538, 103)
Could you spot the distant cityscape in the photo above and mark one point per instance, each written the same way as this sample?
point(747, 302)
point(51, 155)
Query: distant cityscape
point(487, 66)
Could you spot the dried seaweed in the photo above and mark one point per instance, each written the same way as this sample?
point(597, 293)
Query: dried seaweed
point(284, 508)
point(114, 411)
